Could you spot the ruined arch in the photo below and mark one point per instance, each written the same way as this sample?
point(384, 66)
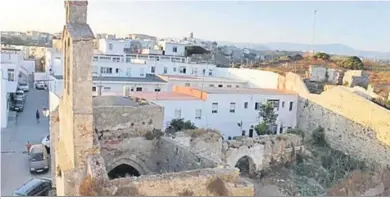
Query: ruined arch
point(246, 165)
point(127, 163)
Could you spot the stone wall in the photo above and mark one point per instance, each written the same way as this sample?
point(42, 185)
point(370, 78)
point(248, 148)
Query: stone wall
point(127, 121)
point(188, 183)
point(174, 157)
point(204, 141)
point(357, 137)
point(263, 151)
point(136, 152)
point(352, 123)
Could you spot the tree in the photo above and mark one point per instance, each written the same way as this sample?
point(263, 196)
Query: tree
point(322, 56)
point(267, 112)
point(353, 63)
point(190, 50)
point(179, 125)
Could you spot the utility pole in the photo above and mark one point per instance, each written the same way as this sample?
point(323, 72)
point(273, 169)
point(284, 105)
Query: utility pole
point(314, 31)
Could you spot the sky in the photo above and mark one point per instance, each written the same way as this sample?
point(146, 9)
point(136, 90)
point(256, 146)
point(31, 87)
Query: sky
point(360, 25)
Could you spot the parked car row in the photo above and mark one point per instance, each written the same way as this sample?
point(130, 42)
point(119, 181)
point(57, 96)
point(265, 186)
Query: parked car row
point(18, 101)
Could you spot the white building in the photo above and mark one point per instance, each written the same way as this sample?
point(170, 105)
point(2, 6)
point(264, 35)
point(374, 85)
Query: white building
point(11, 63)
point(224, 108)
point(4, 100)
point(203, 81)
point(172, 48)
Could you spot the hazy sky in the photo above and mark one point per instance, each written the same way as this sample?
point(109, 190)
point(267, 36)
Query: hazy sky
point(361, 25)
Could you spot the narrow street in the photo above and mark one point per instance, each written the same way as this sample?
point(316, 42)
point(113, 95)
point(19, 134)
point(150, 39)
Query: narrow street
point(14, 160)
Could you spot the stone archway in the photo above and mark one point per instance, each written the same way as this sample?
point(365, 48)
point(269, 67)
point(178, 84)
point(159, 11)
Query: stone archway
point(246, 165)
point(123, 170)
point(126, 164)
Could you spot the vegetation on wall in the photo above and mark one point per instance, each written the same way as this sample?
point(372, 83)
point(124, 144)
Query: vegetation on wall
point(179, 125)
point(267, 113)
point(382, 102)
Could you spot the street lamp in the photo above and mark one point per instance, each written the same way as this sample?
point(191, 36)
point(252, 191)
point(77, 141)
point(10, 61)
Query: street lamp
point(314, 31)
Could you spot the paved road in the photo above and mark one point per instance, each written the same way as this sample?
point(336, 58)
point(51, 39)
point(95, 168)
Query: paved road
point(14, 162)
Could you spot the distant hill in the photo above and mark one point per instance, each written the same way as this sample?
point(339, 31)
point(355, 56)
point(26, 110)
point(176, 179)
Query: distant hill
point(338, 49)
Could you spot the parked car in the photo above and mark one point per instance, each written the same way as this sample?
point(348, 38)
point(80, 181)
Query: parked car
point(34, 187)
point(46, 143)
point(19, 95)
point(40, 85)
point(23, 86)
point(38, 158)
point(17, 105)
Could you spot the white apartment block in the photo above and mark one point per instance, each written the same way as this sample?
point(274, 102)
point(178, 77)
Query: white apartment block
point(224, 108)
point(12, 68)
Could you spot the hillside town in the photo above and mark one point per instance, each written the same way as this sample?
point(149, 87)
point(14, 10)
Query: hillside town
point(95, 114)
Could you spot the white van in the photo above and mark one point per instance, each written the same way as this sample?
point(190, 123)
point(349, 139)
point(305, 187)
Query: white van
point(23, 86)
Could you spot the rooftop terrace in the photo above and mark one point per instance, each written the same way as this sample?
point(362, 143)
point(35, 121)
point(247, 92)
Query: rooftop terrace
point(115, 101)
point(162, 96)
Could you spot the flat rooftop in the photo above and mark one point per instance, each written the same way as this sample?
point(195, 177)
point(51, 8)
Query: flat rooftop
point(162, 96)
point(106, 101)
point(201, 78)
point(263, 91)
point(147, 78)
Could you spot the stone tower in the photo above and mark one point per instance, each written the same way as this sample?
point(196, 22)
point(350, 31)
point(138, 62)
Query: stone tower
point(75, 136)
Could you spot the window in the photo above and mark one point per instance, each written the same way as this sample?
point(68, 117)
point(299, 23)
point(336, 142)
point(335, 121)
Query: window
point(107, 88)
point(177, 113)
point(275, 103)
point(174, 49)
point(116, 59)
point(198, 114)
point(211, 85)
point(291, 106)
point(94, 88)
point(187, 84)
point(142, 72)
point(165, 70)
point(105, 70)
point(138, 89)
point(220, 86)
point(104, 58)
point(128, 59)
point(237, 86)
point(214, 108)
point(11, 75)
point(281, 129)
point(229, 86)
point(194, 71)
point(283, 104)
point(246, 105)
point(95, 58)
point(174, 69)
point(110, 46)
point(128, 72)
point(232, 107)
point(182, 69)
point(204, 71)
point(257, 106)
point(152, 69)
point(117, 70)
point(157, 90)
point(210, 72)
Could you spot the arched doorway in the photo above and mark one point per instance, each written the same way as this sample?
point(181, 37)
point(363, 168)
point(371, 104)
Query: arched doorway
point(123, 170)
point(246, 166)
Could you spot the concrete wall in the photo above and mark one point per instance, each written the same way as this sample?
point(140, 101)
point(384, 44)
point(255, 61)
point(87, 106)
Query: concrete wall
point(38, 76)
point(256, 78)
point(54, 101)
point(3, 101)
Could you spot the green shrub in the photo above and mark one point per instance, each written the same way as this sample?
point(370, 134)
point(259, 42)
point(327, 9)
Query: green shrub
point(319, 137)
